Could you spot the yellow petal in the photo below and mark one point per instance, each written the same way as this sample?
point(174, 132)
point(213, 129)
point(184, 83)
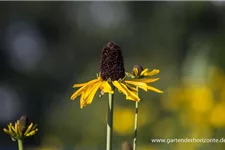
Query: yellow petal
point(82, 89)
point(119, 87)
point(29, 128)
point(135, 70)
point(13, 129)
point(90, 97)
point(145, 80)
point(141, 85)
point(6, 131)
point(154, 89)
point(81, 100)
point(31, 133)
point(91, 88)
point(132, 88)
point(131, 95)
point(83, 84)
point(144, 71)
point(106, 88)
point(16, 128)
point(79, 85)
point(10, 128)
point(151, 73)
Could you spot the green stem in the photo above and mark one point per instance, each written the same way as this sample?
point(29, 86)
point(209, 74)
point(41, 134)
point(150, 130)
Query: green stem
point(20, 144)
point(135, 124)
point(110, 123)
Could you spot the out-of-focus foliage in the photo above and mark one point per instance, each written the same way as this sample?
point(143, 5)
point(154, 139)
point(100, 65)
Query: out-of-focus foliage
point(46, 47)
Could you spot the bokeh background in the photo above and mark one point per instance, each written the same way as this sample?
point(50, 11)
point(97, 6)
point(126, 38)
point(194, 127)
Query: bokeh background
point(46, 47)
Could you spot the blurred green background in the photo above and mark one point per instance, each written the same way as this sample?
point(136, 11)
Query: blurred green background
point(46, 47)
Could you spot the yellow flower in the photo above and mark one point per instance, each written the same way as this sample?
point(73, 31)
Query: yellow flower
point(20, 130)
point(139, 74)
point(216, 117)
point(124, 120)
point(112, 75)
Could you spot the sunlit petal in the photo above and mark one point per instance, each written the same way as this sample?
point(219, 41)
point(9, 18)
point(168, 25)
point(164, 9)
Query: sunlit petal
point(141, 85)
point(145, 80)
point(144, 71)
point(130, 95)
point(151, 73)
point(90, 97)
point(91, 88)
point(81, 100)
point(119, 87)
point(154, 89)
point(133, 89)
point(79, 85)
point(106, 88)
point(135, 71)
point(83, 84)
point(83, 89)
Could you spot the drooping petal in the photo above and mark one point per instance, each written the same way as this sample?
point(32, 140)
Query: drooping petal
point(154, 89)
point(90, 97)
point(81, 100)
point(90, 88)
point(83, 89)
point(83, 84)
point(145, 80)
point(144, 71)
point(133, 89)
point(141, 85)
point(130, 95)
point(151, 73)
point(106, 88)
point(79, 85)
point(119, 87)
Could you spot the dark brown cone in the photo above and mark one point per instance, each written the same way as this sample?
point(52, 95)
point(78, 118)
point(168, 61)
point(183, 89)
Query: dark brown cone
point(23, 123)
point(112, 65)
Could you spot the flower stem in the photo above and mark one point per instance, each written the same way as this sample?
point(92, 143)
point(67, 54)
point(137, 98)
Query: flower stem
point(110, 123)
point(135, 124)
point(20, 144)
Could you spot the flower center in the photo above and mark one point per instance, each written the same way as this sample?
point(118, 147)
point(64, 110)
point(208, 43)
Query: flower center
point(112, 64)
point(137, 69)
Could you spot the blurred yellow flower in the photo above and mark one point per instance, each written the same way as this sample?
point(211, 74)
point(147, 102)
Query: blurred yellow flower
point(174, 98)
point(20, 130)
point(146, 147)
point(216, 78)
point(51, 142)
point(201, 98)
point(217, 116)
point(124, 120)
point(185, 146)
point(164, 128)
